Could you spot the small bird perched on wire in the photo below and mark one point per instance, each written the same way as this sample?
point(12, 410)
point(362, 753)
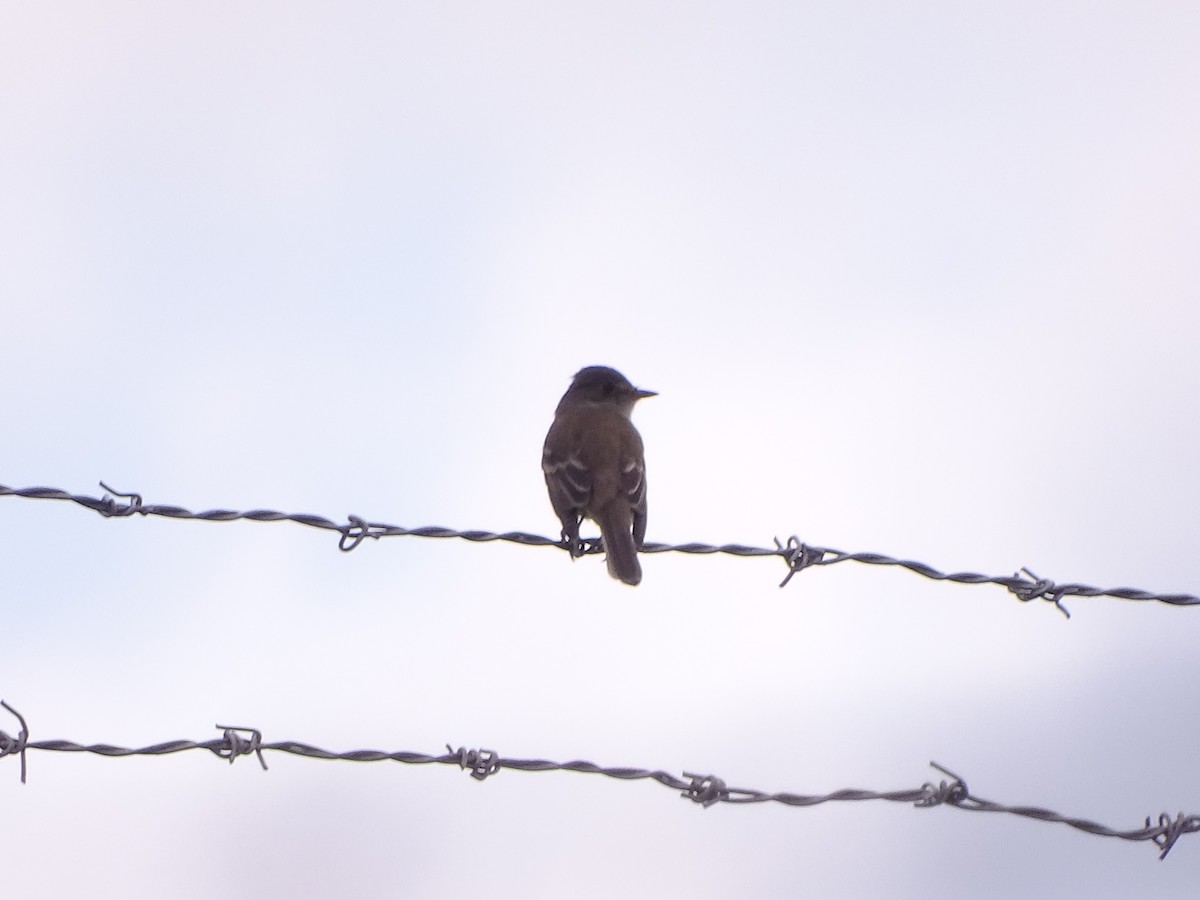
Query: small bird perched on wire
point(595, 467)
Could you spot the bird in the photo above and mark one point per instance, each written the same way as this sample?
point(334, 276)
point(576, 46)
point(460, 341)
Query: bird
point(595, 467)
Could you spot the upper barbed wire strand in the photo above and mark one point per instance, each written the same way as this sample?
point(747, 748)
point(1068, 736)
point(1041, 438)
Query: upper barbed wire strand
point(796, 554)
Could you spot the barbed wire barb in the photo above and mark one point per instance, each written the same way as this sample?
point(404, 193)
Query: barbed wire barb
point(796, 554)
point(482, 763)
point(17, 745)
point(236, 745)
point(1042, 588)
point(112, 508)
point(705, 790)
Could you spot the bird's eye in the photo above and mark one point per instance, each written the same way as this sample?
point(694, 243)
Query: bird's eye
point(609, 387)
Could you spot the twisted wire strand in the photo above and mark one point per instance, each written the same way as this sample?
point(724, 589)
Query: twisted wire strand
point(796, 554)
point(706, 790)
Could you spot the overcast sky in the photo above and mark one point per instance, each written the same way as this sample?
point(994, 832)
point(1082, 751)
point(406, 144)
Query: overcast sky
point(919, 279)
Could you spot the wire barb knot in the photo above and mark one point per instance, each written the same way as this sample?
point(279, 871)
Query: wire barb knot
point(798, 556)
point(1039, 589)
point(110, 508)
point(10, 745)
point(357, 531)
point(705, 789)
point(954, 792)
point(586, 546)
point(236, 745)
point(482, 763)
point(1170, 831)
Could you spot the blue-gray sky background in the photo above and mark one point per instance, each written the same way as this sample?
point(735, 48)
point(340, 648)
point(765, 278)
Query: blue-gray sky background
point(918, 279)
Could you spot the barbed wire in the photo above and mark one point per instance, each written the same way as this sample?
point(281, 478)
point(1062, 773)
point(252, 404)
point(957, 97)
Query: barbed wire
point(797, 555)
point(705, 790)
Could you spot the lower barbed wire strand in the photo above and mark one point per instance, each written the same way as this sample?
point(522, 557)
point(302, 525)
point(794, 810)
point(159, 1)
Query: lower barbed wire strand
point(706, 790)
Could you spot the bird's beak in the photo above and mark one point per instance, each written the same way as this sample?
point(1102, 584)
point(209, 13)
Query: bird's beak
point(642, 395)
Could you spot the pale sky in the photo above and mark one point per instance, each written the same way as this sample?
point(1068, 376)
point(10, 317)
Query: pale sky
point(918, 279)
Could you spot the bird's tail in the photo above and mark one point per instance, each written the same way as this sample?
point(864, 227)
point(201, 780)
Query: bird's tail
point(616, 527)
